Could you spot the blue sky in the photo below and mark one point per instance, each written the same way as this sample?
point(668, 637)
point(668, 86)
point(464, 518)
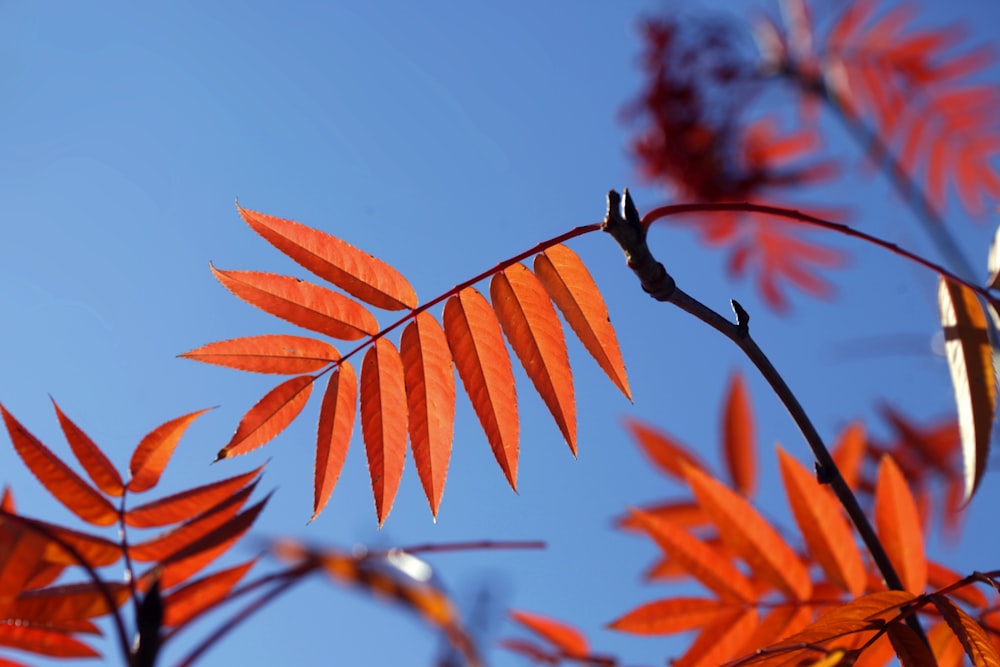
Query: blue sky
point(443, 138)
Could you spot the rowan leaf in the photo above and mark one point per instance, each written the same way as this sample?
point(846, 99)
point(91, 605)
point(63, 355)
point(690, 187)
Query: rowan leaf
point(94, 462)
point(20, 551)
point(191, 600)
point(269, 416)
point(750, 536)
point(283, 355)
point(976, 642)
point(573, 290)
point(898, 524)
point(301, 303)
point(738, 441)
point(720, 639)
point(58, 478)
point(153, 453)
point(821, 522)
point(220, 538)
point(483, 364)
point(666, 454)
point(849, 453)
point(97, 551)
point(187, 504)
point(333, 433)
point(910, 648)
point(664, 617)
point(430, 397)
point(70, 602)
point(567, 638)
point(352, 270)
point(43, 641)
point(970, 358)
point(383, 421)
point(532, 327)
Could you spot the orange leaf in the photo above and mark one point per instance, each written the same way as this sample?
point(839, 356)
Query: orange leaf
point(186, 504)
point(43, 641)
point(947, 649)
point(665, 617)
point(750, 536)
point(220, 538)
point(533, 329)
point(199, 596)
point(738, 436)
point(352, 270)
point(154, 451)
point(65, 485)
point(66, 603)
point(567, 638)
point(680, 513)
point(849, 453)
point(94, 462)
point(383, 422)
point(573, 290)
point(861, 615)
point(970, 358)
point(719, 641)
point(303, 304)
point(482, 361)
point(430, 396)
point(898, 526)
point(333, 433)
point(284, 355)
point(818, 515)
point(97, 551)
point(939, 576)
point(269, 416)
point(668, 455)
point(974, 639)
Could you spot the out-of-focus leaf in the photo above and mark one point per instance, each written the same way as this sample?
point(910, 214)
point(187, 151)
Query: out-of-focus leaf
point(568, 639)
point(269, 416)
point(283, 355)
point(668, 455)
point(898, 526)
point(221, 536)
point(154, 451)
point(333, 433)
point(664, 617)
point(186, 504)
point(199, 596)
point(383, 422)
point(42, 641)
point(738, 441)
point(94, 462)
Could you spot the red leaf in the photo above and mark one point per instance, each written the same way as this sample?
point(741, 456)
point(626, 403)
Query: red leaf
point(665, 617)
point(482, 361)
point(199, 596)
point(430, 395)
point(849, 453)
point(90, 456)
point(65, 485)
point(668, 455)
point(333, 433)
point(738, 437)
point(154, 451)
point(186, 504)
point(284, 355)
point(573, 290)
point(97, 551)
point(72, 602)
point(43, 641)
point(221, 538)
point(567, 638)
point(303, 304)
point(352, 270)
point(383, 422)
point(720, 640)
point(898, 526)
point(269, 416)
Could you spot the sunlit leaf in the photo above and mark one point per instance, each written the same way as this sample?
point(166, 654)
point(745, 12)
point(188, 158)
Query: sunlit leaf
point(303, 304)
point(352, 270)
point(383, 421)
point(20, 550)
point(532, 327)
point(430, 396)
point(154, 451)
point(668, 455)
point(482, 361)
point(94, 462)
point(898, 526)
point(574, 291)
point(664, 617)
point(738, 441)
point(976, 642)
point(42, 641)
point(186, 504)
point(284, 355)
point(720, 639)
point(269, 416)
point(849, 453)
point(333, 433)
point(567, 638)
point(65, 485)
point(222, 536)
point(97, 551)
point(187, 602)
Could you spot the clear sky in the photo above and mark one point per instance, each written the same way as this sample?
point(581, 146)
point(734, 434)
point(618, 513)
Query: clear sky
point(441, 137)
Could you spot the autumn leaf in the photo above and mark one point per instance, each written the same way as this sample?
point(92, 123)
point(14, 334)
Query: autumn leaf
point(43, 641)
point(738, 442)
point(154, 451)
point(898, 526)
point(186, 504)
point(269, 416)
point(284, 355)
point(94, 462)
point(69, 602)
point(667, 454)
point(333, 433)
point(383, 421)
point(567, 638)
point(185, 603)
point(664, 617)
point(977, 643)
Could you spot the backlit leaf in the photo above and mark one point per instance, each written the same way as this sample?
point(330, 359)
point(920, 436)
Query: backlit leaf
point(970, 358)
point(573, 290)
point(948, 650)
point(65, 485)
point(975, 641)
point(818, 515)
point(284, 355)
point(97, 551)
point(20, 551)
point(352, 270)
point(898, 524)
point(154, 451)
point(94, 462)
point(532, 327)
point(333, 433)
point(185, 603)
point(910, 648)
point(186, 504)
point(222, 537)
point(482, 361)
point(303, 304)
point(43, 641)
point(66, 603)
point(849, 453)
point(738, 442)
point(750, 536)
point(383, 421)
point(720, 639)
point(668, 455)
point(567, 638)
point(269, 416)
point(664, 617)
point(430, 396)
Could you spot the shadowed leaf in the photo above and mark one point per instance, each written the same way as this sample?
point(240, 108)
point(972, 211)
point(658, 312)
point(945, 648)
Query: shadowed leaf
point(94, 462)
point(911, 650)
point(383, 422)
point(69, 602)
point(42, 641)
point(976, 642)
point(664, 617)
point(154, 451)
point(283, 355)
point(333, 433)
point(269, 416)
point(668, 455)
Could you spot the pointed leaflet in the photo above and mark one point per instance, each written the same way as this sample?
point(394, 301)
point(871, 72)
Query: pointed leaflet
point(976, 642)
point(669, 456)
point(430, 397)
point(849, 453)
point(198, 596)
point(482, 361)
point(750, 536)
point(818, 514)
point(352, 270)
point(303, 304)
point(65, 485)
point(664, 617)
point(567, 638)
point(269, 416)
point(154, 451)
point(90, 456)
point(333, 433)
point(71, 602)
point(221, 537)
point(533, 330)
point(284, 355)
point(383, 422)
point(970, 358)
point(911, 650)
point(20, 551)
point(898, 526)
point(186, 504)
point(720, 640)
point(738, 437)
point(573, 290)
point(41, 640)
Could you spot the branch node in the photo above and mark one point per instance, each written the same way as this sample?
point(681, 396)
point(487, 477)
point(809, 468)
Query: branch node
point(742, 318)
point(823, 474)
point(623, 222)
